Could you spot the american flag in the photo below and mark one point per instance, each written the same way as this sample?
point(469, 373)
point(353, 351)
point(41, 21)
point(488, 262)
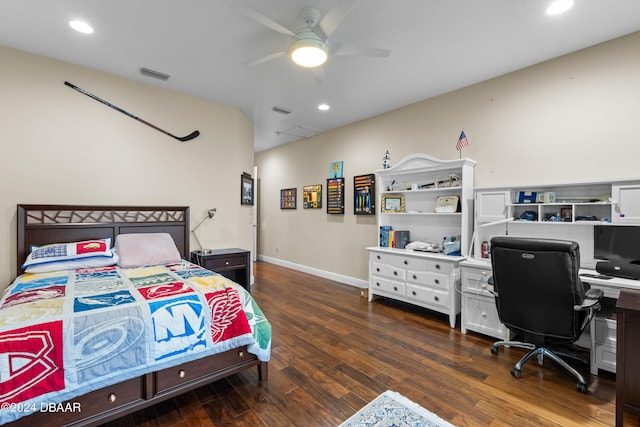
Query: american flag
point(462, 142)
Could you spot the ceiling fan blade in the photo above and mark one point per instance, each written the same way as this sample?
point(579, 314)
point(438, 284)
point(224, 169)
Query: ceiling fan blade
point(318, 73)
point(350, 49)
point(334, 17)
point(263, 59)
point(261, 19)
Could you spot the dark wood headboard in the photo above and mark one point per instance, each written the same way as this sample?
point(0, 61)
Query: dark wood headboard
point(44, 224)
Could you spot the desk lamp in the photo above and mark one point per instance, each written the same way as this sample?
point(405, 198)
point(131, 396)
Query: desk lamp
point(210, 214)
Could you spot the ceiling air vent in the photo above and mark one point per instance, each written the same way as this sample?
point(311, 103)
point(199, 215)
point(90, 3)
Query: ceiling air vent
point(280, 110)
point(154, 74)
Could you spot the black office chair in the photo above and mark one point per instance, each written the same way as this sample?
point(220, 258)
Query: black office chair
point(541, 299)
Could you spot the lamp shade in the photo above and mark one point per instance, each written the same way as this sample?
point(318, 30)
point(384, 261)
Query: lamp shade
point(309, 50)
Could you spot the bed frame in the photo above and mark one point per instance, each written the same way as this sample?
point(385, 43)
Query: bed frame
point(43, 224)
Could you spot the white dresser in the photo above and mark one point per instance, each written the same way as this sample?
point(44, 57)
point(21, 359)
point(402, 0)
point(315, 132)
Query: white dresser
point(427, 280)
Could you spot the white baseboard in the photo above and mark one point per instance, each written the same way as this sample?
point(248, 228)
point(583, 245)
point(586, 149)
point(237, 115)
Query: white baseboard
point(351, 281)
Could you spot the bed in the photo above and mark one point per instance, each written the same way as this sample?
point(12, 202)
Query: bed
point(74, 370)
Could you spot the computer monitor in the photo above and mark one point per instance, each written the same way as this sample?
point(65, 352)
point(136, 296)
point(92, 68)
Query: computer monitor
point(616, 242)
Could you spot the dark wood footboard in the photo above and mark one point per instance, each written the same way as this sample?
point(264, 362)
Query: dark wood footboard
point(120, 399)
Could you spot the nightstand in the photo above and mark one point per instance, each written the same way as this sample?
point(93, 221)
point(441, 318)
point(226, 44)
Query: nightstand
point(233, 263)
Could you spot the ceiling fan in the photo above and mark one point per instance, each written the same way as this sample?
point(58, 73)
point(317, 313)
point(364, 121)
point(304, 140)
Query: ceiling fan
point(313, 38)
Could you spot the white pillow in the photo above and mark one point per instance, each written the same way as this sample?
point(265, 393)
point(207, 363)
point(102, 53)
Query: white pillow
point(57, 252)
point(142, 249)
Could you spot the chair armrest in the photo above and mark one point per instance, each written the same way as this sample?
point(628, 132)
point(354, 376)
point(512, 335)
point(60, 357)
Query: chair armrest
point(591, 298)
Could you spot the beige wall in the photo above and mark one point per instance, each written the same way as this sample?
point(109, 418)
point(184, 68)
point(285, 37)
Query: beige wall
point(59, 146)
point(570, 119)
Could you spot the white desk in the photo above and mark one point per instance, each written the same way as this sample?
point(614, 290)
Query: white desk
point(480, 315)
point(603, 327)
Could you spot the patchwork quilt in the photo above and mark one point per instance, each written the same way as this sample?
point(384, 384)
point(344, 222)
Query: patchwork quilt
point(66, 333)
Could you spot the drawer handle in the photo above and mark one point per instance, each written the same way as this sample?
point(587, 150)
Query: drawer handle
point(437, 266)
point(395, 273)
point(406, 262)
point(415, 277)
point(377, 283)
point(112, 397)
point(437, 281)
point(436, 298)
point(241, 353)
point(377, 269)
point(378, 256)
point(484, 314)
point(395, 288)
point(414, 293)
point(181, 373)
point(226, 263)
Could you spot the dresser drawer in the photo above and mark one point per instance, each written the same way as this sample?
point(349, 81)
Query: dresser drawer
point(428, 278)
point(178, 375)
point(429, 295)
point(389, 271)
point(441, 266)
point(389, 286)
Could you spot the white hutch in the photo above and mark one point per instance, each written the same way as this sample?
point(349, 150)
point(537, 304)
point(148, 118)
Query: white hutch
point(415, 195)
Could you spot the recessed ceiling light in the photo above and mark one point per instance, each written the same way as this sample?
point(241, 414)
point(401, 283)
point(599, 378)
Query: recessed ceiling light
point(81, 26)
point(559, 6)
point(323, 107)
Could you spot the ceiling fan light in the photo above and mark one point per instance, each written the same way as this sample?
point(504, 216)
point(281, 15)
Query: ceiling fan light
point(309, 52)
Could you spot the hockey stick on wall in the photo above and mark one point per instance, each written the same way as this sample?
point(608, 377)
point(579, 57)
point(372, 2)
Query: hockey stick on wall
point(189, 137)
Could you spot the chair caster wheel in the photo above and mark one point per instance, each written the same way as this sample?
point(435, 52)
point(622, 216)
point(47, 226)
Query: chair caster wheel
point(582, 388)
point(515, 372)
point(494, 350)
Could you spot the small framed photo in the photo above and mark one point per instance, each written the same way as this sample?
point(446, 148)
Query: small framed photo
point(566, 214)
point(392, 203)
point(288, 198)
point(246, 189)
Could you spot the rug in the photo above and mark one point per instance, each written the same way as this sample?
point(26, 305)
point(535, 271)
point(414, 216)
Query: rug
point(392, 409)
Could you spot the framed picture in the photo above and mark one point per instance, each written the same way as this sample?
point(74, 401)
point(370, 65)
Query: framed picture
point(312, 196)
point(392, 203)
point(566, 214)
point(364, 195)
point(336, 170)
point(246, 189)
point(288, 198)
point(335, 196)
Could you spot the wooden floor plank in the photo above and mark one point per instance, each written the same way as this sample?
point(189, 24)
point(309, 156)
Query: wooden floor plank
point(333, 352)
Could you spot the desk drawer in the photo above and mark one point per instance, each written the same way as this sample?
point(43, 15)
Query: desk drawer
point(481, 315)
point(605, 331)
point(476, 282)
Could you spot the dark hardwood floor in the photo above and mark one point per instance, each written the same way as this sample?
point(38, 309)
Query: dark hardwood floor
point(333, 352)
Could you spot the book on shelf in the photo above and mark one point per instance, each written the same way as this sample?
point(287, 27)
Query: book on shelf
point(390, 238)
